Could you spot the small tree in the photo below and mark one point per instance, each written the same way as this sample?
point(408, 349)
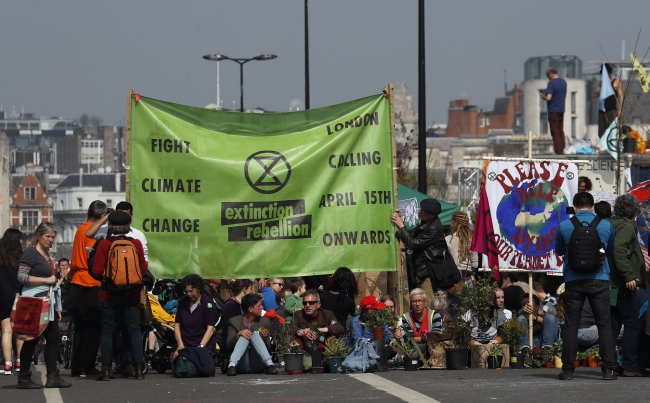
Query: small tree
point(83, 120)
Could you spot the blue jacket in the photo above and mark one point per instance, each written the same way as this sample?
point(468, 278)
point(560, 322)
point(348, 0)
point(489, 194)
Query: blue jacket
point(268, 301)
point(361, 331)
point(606, 232)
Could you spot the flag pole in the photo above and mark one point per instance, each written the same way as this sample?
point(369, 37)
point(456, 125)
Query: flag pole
point(530, 274)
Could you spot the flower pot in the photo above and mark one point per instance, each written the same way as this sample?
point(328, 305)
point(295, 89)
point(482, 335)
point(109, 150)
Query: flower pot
point(494, 362)
point(378, 333)
point(456, 358)
point(576, 363)
point(517, 361)
point(411, 364)
point(334, 363)
point(549, 364)
point(293, 362)
point(584, 363)
point(557, 361)
point(592, 361)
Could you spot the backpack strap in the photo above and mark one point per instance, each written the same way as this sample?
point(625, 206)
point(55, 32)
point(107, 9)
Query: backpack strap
point(576, 223)
point(595, 222)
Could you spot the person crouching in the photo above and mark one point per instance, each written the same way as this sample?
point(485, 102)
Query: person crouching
point(118, 295)
point(248, 338)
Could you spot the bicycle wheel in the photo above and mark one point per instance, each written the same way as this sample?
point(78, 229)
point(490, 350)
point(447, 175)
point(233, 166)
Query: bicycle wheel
point(67, 348)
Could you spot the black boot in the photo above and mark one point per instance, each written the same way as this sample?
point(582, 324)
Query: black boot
point(106, 373)
point(25, 381)
point(139, 371)
point(54, 380)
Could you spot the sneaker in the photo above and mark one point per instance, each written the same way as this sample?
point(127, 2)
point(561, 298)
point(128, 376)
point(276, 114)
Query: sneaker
point(609, 375)
point(8, 370)
point(565, 375)
point(17, 366)
point(232, 371)
point(630, 372)
point(270, 370)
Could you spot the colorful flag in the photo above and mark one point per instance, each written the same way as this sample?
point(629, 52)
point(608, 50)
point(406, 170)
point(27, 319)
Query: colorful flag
point(641, 74)
point(609, 139)
point(606, 88)
point(641, 191)
point(483, 237)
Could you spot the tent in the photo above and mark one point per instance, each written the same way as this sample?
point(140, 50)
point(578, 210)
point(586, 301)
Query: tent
point(409, 204)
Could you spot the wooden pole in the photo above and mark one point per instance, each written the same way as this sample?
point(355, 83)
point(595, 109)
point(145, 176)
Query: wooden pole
point(127, 140)
point(530, 275)
point(395, 280)
point(530, 145)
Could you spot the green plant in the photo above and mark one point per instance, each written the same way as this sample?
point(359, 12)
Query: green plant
point(283, 341)
point(377, 318)
point(548, 354)
point(335, 347)
point(401, 347)
point(538, 356)
point(581, 356)
point(475, 299)
point(494, 351)
point(594, 352)
point(557, 348)
point(514, 331)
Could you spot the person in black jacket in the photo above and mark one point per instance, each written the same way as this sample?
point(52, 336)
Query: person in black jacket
point(427, 235)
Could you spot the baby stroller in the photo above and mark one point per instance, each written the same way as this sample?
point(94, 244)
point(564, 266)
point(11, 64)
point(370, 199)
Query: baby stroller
point(162, 327)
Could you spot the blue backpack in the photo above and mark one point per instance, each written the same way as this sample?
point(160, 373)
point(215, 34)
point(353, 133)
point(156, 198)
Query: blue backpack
point(363, 358)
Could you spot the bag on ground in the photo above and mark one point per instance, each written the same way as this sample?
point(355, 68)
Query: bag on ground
point(363, 358)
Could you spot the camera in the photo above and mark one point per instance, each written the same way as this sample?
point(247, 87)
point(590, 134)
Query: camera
point(570, 210)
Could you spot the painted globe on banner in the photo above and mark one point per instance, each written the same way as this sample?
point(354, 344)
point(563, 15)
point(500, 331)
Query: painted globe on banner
point(530, 214)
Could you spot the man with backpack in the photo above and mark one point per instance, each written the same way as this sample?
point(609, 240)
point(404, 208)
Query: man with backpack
point(627, 271)
point(584, 241)
point(120, 265)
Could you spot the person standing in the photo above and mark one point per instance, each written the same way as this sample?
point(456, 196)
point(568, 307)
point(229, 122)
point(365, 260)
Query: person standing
point(37, 274)
point(612, 104)
point(427, 235)
point(555, 95)
point(592, 285)
point(82, 298)
point(459, 241)
point(10, 252)
point(627, 271)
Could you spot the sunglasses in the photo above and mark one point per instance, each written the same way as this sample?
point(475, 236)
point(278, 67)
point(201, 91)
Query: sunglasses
point(280, 284)
point(310, 302)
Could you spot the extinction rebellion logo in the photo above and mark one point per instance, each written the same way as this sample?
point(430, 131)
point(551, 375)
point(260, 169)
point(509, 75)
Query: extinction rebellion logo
point(267, 172)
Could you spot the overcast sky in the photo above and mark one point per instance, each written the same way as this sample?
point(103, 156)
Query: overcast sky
point(68, 57)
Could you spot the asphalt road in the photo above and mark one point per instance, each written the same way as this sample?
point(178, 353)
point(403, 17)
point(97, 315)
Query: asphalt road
point(506, 385)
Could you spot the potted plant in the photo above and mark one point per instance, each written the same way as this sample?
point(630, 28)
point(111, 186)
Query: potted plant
point(285, 346)
point(582, 357)
point(592, 357)
point(548, 357)
point(407, 351)
point(514, 331)
point(494, 359)
point(376, 321)
point(335, 350)
point(538, 357)
point(557, 354)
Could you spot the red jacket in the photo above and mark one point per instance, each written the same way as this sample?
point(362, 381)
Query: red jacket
point(101, 257)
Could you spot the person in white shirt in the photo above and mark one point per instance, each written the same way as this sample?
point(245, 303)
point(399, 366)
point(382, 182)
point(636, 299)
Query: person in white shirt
point(99, 229)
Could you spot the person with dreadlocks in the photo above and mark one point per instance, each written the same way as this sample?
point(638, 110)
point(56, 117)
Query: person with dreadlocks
point(459, 242)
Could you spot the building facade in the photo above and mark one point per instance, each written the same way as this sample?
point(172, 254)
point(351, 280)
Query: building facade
point(30, 203)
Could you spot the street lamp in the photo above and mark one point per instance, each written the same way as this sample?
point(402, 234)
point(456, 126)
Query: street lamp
point(241, 62)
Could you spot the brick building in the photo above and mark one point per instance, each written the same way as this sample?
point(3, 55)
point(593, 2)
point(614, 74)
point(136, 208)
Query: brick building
point(465, 120)
point(30, 203)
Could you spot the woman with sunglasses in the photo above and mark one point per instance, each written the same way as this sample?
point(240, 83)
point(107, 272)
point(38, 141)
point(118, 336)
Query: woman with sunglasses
point(273, 285)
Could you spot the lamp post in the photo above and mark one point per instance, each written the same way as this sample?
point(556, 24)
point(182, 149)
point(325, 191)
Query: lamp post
point(241, 61)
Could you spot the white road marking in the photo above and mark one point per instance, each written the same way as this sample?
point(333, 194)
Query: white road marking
point(397, 390)
point(52, 395)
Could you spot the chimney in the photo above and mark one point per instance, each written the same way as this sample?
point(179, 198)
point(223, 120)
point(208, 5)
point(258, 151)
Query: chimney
point(118, 176)
point(81, 177)
point(29, 169)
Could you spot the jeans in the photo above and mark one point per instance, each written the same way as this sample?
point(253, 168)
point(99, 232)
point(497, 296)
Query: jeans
point(626, 313)
point(51, 353)
point(249, 360)
point(549, 332)
point(87, 334)
point(574, 298)
point(129, 310)
point(588, 337)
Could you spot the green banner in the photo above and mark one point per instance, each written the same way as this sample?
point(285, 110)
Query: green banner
point(242, 195)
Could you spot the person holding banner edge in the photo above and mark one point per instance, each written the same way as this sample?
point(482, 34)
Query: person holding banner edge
point(581, 285)
point(427, 235)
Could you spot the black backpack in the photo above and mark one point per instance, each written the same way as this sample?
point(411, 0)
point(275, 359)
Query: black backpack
point(585, 254)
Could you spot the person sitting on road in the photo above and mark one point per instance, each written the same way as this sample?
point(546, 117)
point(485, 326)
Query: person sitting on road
point(421, 319)
point(280, 299)
point(248, 340)
point(545, 325)
point(491, 333)
point(549, 302)
point(196, 317)
point(389, 301)
point(238, 289)
point(499, 300)
point(273, 285)
point(302, 321)
point(369, 305)
point(293, 301)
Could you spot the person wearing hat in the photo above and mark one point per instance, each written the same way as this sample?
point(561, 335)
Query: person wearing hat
point(427, 234)
point(359, 329)
point(112, 304)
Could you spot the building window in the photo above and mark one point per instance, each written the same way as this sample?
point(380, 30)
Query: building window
point(488, 121)
point(481, 121)
point(80, 201)
point(573, 102)
point(543, 123)
point(30, 193)
point(30, 218)
point(574, 129)
point(109, 203)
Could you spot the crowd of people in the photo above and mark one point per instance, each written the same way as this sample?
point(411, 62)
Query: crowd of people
point(105, 298)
